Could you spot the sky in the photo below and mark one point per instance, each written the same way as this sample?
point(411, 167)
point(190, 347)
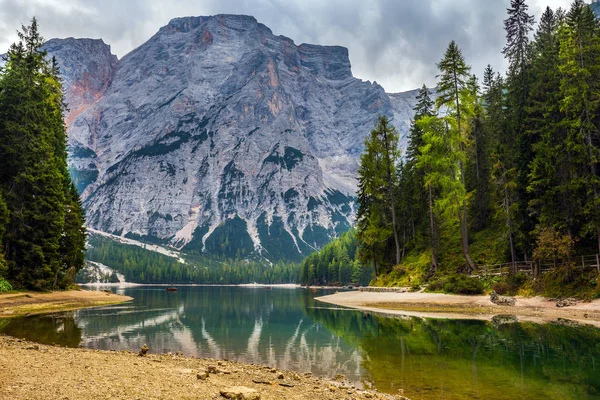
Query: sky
point(394, 42)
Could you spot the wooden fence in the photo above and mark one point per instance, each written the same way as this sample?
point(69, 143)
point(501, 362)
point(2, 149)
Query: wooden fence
point(529, 267)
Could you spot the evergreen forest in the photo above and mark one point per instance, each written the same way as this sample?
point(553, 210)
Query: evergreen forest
point(42, 237)
point(499, 170)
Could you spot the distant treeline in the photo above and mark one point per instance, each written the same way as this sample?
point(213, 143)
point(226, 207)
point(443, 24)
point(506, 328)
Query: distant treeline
point(336, 264)
point(144, 266)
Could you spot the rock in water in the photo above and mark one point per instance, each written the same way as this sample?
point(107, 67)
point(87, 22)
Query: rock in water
point(216, 128)
point(240, 393)
point(143, 351)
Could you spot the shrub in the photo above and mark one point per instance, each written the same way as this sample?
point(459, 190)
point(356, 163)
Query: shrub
point(458, 284)
point(5, 286)
point(500, 287)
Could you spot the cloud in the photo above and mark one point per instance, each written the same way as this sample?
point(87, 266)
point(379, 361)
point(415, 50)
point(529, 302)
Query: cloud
point(395, 42)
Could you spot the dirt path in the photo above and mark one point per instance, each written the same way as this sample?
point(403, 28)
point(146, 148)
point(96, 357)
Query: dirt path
point(31, 303)
point(32, 371)
point(436, 305)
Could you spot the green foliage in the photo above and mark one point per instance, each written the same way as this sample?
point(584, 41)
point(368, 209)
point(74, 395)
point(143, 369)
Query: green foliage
point(457, 284)
point(144, 266)
point(510, 171)
point(377, 209)
point(336, 264)
point(44, 237)
point(5, 286)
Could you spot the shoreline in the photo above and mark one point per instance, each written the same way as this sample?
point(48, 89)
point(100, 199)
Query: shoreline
point(89, 374)
point(35, 303)
point(446, 306)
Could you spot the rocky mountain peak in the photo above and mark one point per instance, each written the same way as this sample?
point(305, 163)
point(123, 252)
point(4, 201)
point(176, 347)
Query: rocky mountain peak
point(217, 136)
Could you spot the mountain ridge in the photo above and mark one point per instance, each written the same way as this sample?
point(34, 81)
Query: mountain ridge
point(217, 136)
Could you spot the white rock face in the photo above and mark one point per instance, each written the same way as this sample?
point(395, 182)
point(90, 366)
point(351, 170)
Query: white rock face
point(217, 135)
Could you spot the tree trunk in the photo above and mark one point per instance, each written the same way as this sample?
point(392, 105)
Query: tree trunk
point(391, 190)
point(434, 264)
point(464, 231)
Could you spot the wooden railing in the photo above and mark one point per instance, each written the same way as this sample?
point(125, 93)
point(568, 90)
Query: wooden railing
point(529, 267)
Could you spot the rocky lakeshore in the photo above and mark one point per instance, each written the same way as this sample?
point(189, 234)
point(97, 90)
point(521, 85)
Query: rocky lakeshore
point(33, 371)
point(480, 307)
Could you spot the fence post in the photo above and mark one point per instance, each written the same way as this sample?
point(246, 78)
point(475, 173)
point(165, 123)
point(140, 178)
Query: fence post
point(582, 262)
point(598, 262)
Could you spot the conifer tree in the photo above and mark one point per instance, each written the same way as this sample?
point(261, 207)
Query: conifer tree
point(377, 182)
point(453, 89)
point(580, 87)
point(551, 199)
point(517, 145)
point(477, 166)
point(33, 169)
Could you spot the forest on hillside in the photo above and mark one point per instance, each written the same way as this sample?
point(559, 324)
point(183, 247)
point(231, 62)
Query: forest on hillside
point(502, 170)
point(141, 265)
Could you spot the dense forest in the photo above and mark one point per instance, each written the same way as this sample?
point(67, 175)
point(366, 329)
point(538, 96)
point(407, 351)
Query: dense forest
point(145, 266)
point(336, 264)
point(497, 171)
point(42, 238)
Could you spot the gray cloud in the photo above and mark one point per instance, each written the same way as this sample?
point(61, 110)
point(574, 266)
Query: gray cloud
point(395, 42)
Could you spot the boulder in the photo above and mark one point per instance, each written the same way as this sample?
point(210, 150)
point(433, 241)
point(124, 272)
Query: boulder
point(202, 375)
point(143, 351)
point(566, 303)
point(502, 300)
point(240, 393)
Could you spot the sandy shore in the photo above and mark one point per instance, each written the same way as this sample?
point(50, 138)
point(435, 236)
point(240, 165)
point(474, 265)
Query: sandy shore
point(31, 303)
point(33, 371)
point(437, 305)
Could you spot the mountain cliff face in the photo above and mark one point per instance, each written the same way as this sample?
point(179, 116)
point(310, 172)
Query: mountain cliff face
point(216, 135)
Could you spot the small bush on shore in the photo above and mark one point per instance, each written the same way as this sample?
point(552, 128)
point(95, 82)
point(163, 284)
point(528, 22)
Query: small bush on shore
point(457, 284)
point(5, 286)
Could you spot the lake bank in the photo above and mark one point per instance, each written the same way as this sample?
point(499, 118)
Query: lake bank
point(437, 305)
point(35, 371)
point(32, 303)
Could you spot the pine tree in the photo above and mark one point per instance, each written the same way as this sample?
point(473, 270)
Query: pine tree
point(453, 89)
point(377, 183)
point(33, 170)
point(411, 179)
point(580, 87)
point(517, 145)
point(478, 166)
point(551, 199)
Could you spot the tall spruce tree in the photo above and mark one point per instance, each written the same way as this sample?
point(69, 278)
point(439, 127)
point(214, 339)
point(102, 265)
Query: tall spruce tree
point(478, 167)
point(552, 199)
point(580, 88)
point(517, 146)
point(33, 171)
point(377, 182)
point(453, 91)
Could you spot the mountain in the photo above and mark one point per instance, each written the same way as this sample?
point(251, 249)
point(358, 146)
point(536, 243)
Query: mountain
point(217, 135)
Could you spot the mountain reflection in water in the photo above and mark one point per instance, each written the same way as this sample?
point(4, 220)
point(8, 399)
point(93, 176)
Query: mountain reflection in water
point(287, 329)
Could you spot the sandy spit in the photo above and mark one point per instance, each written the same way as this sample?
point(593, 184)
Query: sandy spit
point(33, 371)
point(437, 305)
point(32, 303)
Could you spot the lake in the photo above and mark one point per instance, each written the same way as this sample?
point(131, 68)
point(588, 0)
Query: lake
point(286, 328)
